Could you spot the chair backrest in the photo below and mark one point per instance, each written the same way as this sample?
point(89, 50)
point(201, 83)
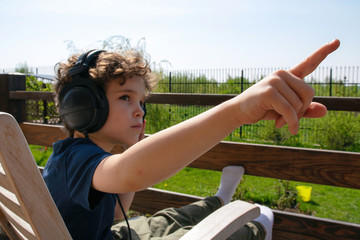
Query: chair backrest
point(27, 210)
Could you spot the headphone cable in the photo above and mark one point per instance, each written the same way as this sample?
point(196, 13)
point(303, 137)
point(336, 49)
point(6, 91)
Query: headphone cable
point(123, 212)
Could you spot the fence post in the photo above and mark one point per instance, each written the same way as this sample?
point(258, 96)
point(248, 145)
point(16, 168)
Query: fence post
point(242, 80)
point(12, 82)
point(45, 112)
point(330, 85)
point(170, 92)
point(169, 81)
point(242, 89)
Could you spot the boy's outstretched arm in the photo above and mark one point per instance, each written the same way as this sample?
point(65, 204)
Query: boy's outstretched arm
point(282, 96)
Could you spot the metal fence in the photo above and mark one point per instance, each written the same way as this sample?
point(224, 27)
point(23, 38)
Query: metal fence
point(327, 81)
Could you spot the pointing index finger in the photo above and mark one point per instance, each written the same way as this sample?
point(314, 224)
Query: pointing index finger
point(312, 62)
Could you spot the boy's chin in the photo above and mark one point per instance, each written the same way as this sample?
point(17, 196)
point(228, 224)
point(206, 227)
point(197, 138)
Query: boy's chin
point(131, 143)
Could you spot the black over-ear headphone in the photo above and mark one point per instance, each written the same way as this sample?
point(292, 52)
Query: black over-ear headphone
point(83, 105)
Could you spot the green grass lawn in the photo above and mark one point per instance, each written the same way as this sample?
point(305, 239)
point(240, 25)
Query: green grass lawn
point(326, 201)
point(41, 154)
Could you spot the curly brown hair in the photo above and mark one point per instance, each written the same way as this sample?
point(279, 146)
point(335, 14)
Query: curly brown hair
point(109, 66)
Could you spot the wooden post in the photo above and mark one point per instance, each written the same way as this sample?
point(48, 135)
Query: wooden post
point(12, 82)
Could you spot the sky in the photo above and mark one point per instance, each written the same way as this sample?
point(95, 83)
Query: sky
point(189, 34)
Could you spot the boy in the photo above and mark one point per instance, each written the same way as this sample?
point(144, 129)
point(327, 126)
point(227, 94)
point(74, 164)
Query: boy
point(87, 182)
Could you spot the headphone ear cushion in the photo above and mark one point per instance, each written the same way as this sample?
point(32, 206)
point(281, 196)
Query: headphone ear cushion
point(84, 107)
point(102, 111)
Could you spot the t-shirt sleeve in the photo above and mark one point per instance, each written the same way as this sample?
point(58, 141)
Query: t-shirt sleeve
point(81, 165)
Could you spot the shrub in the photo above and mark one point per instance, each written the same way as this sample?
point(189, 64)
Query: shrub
point(340, 131)
point(273, 134)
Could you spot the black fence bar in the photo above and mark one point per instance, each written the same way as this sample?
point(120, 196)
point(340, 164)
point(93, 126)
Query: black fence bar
point(330, 85)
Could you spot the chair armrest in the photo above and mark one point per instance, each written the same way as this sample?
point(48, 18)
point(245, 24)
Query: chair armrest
point(224, 221)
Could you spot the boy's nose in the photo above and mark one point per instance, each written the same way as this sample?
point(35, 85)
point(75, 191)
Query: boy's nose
point(140, 112)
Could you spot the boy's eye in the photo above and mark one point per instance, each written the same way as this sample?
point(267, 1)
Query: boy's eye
point(125, 98)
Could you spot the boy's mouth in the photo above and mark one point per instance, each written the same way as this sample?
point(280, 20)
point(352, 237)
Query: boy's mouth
point(137, 126)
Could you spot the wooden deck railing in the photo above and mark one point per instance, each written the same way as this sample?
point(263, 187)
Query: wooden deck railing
point(335, 168)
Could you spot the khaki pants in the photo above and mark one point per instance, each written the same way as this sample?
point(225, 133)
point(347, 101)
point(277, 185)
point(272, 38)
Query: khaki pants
point(172, 223)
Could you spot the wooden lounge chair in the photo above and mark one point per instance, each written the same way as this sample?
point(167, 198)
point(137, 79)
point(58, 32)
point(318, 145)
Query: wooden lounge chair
point(27, 210)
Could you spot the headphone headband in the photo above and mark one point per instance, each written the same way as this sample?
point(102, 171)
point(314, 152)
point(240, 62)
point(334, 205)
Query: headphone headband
point(84, 62)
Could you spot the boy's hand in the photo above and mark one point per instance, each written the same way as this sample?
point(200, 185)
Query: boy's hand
point(142, 134)
point(283, 96)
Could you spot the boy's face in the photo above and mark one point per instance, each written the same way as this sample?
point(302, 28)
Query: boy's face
point(125, 121)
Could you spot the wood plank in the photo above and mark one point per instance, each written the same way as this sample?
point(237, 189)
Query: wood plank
point(340, 103)
point(16, 107)
point(332, 103)
point(299, 227)
point(42, 134)
point(31, 191)
point(20, 225)
point(223, 222)
point(7, 230)
point(34, 95)
point(335, 168)
point(11, 202)
point(153, 200)
point(5, 183)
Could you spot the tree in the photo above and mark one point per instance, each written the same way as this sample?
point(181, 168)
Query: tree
point(23, 68)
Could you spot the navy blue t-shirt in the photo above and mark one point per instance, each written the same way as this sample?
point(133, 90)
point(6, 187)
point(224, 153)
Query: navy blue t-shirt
point(87, 213)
